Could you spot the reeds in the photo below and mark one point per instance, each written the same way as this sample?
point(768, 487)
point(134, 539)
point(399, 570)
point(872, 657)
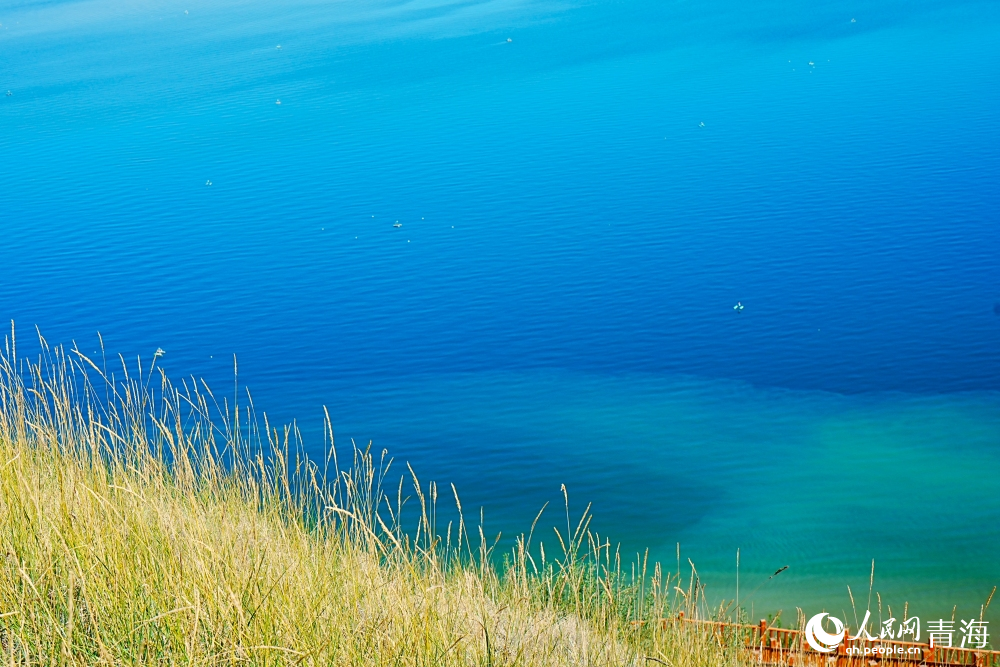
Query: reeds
point(144, 522)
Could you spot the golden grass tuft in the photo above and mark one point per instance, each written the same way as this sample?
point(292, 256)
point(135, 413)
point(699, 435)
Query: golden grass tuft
point(144, 522)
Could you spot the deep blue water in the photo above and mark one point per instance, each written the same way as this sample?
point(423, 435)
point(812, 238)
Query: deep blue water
point(581, 207)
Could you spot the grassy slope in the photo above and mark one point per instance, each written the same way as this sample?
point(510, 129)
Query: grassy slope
point(134, 531)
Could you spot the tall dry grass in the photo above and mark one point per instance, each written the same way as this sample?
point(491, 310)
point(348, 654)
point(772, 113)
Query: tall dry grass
point(145, 522)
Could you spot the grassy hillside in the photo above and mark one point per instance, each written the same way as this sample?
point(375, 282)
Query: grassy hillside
point(142, 522)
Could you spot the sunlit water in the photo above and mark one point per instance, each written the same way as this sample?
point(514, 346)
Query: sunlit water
point(584, 192)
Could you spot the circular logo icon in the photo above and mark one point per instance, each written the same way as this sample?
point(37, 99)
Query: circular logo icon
point(820, 639)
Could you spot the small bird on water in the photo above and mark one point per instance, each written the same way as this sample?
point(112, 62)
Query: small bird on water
point(398, 224)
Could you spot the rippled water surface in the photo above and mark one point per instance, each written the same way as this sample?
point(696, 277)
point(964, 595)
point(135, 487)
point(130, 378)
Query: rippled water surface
point(584, 190)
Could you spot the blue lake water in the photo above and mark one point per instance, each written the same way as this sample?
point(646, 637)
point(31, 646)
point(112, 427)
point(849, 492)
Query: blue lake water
point(585, 189)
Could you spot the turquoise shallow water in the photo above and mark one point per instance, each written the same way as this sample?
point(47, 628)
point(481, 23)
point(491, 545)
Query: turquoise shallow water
point(821, 482)
point(585, 189)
